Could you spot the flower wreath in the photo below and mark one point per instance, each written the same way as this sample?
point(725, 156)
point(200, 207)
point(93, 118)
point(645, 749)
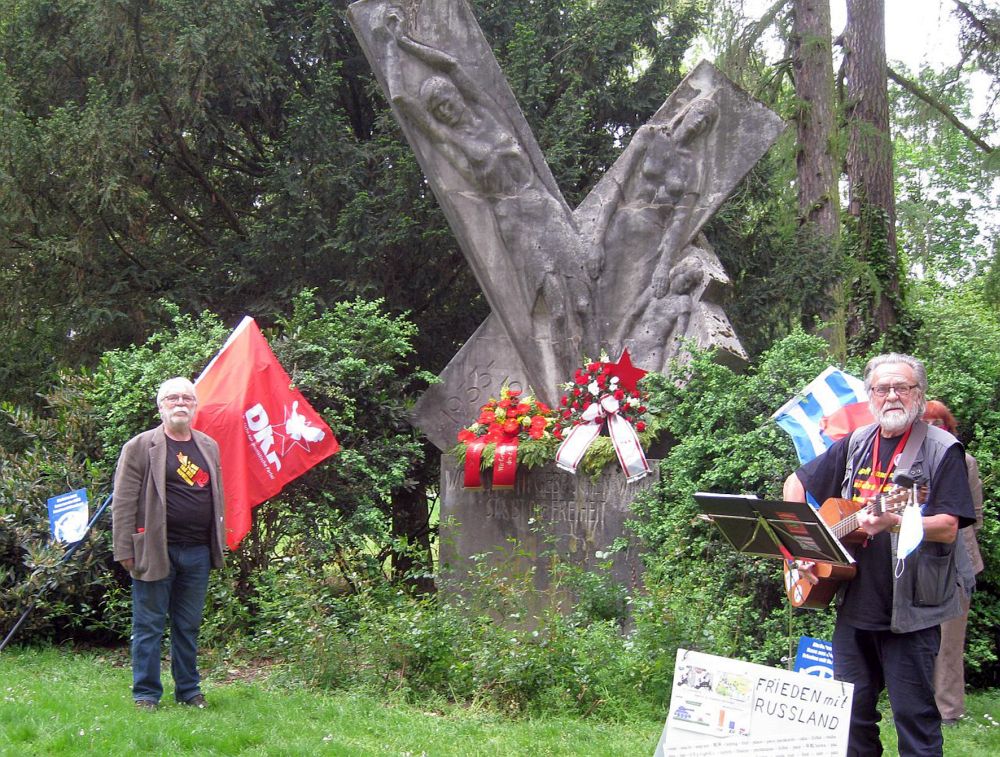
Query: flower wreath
point(605, 394)
point(515, 428)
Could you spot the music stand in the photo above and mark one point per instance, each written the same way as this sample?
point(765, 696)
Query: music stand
point(772, 528)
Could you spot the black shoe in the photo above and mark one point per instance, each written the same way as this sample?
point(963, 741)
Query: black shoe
point(198, 700)
point(145, 704)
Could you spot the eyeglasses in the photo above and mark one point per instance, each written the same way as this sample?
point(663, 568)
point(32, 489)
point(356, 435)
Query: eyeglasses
point(176, 399)
point(901, 390)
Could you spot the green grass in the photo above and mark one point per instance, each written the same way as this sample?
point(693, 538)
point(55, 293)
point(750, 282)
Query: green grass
point(57, 701)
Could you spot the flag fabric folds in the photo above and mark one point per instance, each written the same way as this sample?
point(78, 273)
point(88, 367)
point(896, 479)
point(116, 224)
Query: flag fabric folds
point(830, 407)
point(268, 434)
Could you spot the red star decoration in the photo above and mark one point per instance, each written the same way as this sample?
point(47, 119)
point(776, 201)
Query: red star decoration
point(628, 375)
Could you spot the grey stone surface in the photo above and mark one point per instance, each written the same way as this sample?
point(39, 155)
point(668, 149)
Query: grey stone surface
point(625, 269)
point(547, 509)
point(629, 267)
point(480, 158)
point(476, 373)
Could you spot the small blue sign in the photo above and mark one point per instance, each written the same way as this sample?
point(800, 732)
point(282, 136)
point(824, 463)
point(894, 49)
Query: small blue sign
point(815, 657)
point(68, 515)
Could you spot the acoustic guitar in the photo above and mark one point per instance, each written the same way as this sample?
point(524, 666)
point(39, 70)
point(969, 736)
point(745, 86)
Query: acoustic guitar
point(841, 516)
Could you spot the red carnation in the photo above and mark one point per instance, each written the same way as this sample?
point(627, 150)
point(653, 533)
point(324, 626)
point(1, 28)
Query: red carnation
point(640, 426)
point(465, 435)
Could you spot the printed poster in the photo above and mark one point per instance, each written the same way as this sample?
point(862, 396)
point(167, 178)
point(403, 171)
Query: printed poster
point(68, 516)
point(729, 707)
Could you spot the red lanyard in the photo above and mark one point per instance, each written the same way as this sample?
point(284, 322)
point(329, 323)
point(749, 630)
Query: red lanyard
point(876, 462)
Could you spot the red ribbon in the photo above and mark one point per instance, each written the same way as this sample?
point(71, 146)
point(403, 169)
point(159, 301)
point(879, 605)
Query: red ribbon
point(473, 459)
point(504, 464)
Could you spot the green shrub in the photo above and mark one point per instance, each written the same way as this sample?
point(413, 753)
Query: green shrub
point(718, 600)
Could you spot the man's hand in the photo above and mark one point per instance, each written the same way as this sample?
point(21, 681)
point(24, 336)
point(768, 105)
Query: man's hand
point(805, 569)
point(128, 564)
point(873, 524)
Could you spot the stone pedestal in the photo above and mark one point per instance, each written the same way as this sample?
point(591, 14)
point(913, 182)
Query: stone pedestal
point(547, 510)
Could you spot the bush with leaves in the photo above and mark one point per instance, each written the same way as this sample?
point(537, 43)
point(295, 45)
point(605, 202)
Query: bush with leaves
point(350, 363)
point(492, 647)
point(720, 601)
point(958, 339)
point(45, 453)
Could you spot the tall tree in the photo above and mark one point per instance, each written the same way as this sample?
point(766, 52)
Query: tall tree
point(876, 299)
point(816, 156)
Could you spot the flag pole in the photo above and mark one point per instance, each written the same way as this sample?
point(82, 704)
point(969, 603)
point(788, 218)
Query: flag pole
point(48, 584)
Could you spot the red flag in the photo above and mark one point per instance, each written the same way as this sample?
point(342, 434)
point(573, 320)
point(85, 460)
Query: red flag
point(845, 419)
point(267, 433)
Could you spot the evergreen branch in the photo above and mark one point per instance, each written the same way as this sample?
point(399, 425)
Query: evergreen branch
point(919, 92)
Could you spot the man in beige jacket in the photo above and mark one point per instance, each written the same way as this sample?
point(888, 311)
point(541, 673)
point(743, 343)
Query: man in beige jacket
point(168, 532)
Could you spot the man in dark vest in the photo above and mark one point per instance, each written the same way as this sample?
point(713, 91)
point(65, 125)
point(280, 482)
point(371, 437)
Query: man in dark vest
point(888, 617)
point(168, 532)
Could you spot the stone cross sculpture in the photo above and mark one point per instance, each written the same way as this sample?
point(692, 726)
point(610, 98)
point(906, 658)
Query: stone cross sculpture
point(628, 268)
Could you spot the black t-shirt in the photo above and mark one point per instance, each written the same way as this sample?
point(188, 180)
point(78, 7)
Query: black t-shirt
point(189, 494)
point(868, 598)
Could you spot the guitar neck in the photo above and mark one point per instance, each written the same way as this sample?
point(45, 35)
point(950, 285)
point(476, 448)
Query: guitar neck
point(888, 502)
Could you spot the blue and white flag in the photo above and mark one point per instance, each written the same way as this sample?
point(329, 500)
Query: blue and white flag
point(831, 406)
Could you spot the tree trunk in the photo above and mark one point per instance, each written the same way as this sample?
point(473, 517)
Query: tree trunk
point(815, 160)
point(411, 556)
point(876, 299)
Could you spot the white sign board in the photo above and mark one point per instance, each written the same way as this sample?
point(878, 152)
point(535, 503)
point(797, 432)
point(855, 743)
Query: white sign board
point(730, 707)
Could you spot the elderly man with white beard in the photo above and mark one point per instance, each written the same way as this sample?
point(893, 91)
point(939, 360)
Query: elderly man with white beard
point(169, 532)
point(888, 616)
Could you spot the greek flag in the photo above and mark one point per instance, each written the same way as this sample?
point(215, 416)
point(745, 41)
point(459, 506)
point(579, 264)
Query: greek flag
point(830, 407)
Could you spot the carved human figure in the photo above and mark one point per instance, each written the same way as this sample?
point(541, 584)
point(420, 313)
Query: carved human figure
point(661, 321)
point(650, 220)
point(467, 127)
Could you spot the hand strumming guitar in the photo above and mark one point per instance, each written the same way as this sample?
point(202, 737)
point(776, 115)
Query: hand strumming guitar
point(873, 524)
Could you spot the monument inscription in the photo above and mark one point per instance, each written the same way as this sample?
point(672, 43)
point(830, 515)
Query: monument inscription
point(578, 516)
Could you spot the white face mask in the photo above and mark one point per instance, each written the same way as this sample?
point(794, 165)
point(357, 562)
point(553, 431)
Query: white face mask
point(911, 533)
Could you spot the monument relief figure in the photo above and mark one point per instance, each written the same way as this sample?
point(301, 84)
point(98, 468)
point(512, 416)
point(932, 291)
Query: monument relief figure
point(657, 330)
point(562, 284)
point(467, 128)
point(650, 220)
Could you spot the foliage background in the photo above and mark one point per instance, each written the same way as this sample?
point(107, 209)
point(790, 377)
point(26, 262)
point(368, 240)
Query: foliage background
point(167, 167)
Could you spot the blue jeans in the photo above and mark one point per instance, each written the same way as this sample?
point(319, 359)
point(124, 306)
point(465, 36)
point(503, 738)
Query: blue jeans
point(902, 663)
point(181, 595)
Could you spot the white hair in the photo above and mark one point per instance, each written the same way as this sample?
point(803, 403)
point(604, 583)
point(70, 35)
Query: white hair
point(181, 383)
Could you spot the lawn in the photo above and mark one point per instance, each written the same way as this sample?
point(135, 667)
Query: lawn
point(62, 702)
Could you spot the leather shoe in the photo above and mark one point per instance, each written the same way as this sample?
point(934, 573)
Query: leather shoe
point(198, 700)
point(145, 704)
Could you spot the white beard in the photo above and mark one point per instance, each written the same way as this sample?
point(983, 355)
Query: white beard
point(895, 422)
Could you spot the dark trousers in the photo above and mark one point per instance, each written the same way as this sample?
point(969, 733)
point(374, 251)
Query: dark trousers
point(181, 596)
point(902, 663)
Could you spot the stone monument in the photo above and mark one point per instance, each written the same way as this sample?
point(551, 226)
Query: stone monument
point(628, 268)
